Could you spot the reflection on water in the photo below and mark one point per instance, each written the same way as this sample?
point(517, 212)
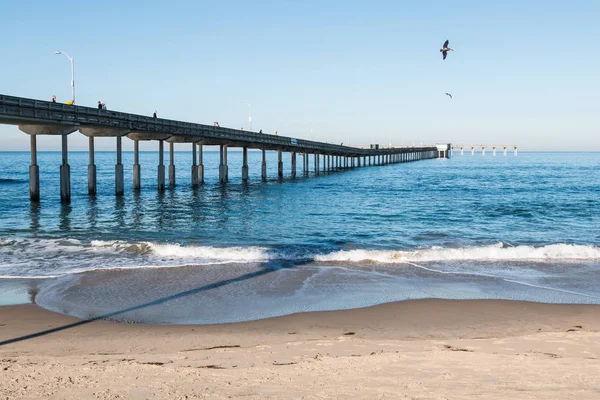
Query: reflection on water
point(65, 220)
point(34, 215)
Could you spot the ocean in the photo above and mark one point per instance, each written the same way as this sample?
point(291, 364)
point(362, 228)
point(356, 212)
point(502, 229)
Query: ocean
point(471, 227)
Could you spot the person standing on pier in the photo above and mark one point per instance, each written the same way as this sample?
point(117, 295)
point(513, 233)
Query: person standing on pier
point(103, 106)
point(154, 115)
point(99, 105)
point(54, 99)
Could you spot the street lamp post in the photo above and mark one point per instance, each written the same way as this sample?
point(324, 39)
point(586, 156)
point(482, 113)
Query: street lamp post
point(249, 114)
point(72, 73)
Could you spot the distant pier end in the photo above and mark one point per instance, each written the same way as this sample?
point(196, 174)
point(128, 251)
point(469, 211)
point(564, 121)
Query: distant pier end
point(444, 150)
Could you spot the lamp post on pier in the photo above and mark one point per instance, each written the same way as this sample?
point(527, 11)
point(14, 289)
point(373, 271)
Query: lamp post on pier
point(72, 73)
point(249, 114)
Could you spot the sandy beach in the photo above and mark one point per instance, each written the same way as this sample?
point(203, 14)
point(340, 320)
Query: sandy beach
point(425, 349)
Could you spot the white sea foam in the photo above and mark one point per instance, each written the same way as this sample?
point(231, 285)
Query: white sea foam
point(496, 252)
point(207, 253)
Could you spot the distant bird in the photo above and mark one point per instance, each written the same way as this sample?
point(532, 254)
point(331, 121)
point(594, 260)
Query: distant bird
point(341, 144)
point(445, 49)
point(448, 94)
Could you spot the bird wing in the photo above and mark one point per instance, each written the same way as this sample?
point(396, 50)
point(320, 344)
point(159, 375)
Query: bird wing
point(444, 54)
point(449, 95)
point(446, 44)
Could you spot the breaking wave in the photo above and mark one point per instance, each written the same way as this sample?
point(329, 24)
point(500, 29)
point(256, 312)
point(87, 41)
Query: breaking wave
point(497, 252)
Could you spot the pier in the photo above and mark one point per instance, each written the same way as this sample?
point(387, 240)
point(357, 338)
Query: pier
point(36, 117)
point(483, 147)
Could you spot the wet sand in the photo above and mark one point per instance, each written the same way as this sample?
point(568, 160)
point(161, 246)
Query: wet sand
point(422, 349)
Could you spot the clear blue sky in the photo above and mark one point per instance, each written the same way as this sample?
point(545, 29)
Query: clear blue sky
point(524, 72)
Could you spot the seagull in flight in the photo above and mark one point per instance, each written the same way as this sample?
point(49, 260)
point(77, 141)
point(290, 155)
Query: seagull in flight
point(448, 94)
point(445, 49)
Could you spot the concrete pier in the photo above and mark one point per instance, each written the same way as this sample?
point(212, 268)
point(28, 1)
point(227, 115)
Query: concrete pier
point(200, 165)
point(37, 117)
point(91, 168)
point(137, 183)
point(194, 167)
point(245, 164)
point(161, 165)
point(305, 164)
point(65, 173)
point(223, 173)
point(172, 164)
point(279, 164)
point(119, 180)
point(263, 165)
point(34, 171)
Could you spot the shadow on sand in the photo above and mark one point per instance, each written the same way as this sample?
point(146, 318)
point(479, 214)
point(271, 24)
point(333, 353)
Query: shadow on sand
point(270, 267)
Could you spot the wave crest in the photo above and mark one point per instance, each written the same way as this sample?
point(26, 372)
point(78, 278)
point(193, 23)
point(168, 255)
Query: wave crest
point(497, 252)
point(207, 253)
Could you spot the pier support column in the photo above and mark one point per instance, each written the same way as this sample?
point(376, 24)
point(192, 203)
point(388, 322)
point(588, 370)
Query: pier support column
point(223, 164)
point(263, 165)
point(34, 171)
point(328, 163)
point(200, 165)
point(137, 176)
point(171, 165)
point(316, 163)
point(245, 164)
point(65, 173)
point(194, 167)
point(91, 168)
point(305, 163)
point(279, 164)
point(358, 161)
point(293, 164)
point(119, 180)
point(161, 165)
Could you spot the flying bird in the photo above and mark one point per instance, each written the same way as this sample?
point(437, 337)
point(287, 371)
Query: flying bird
point(445, 49)
point(448, 94)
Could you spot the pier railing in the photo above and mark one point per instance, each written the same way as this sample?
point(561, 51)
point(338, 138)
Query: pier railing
point(18, 110)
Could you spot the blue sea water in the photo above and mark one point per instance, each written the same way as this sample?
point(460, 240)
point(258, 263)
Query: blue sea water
point(471, 227)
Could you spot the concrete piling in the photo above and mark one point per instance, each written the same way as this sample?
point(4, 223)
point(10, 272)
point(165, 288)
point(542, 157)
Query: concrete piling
point(34, 171)
point(194, 167)
point(161, 165)
point(200, 165)
point(172, 164)
point(119, 181)
point(91, 168)
point(245, 164)
point(223, 168)
point(65, 173)
point(137, 184)
point(263, 165)
point(279, 164)
point(293, 164)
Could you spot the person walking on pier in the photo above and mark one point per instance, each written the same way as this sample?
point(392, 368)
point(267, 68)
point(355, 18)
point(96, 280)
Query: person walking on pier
point(99, 105)
point(154, 115)
point(54, 99)
point(103, 106)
